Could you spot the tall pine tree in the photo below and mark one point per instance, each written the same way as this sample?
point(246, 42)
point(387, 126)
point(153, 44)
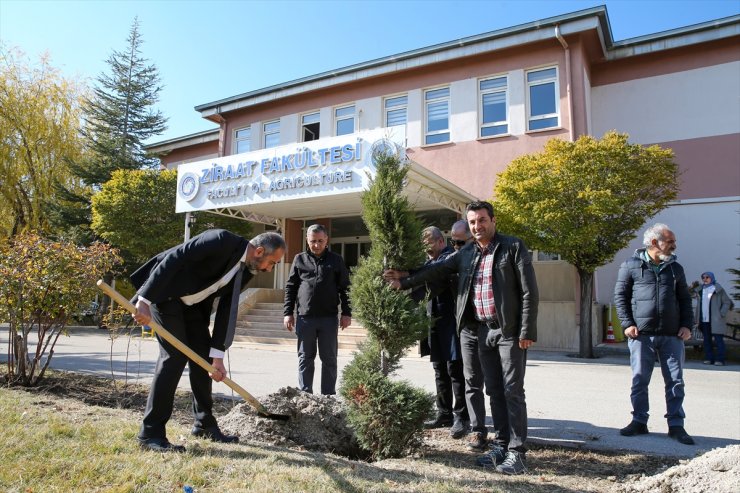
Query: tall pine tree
point(119, 116)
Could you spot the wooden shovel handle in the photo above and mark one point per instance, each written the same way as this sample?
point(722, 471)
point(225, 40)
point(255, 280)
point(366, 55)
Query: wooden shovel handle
point(164, 334)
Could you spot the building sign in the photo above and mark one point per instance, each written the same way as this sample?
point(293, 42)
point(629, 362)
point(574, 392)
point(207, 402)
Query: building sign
point(331, 166)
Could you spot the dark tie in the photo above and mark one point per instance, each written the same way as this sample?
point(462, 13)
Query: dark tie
point(234, 309)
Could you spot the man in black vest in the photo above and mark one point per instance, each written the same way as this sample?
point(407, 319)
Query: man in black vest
point(177, 289)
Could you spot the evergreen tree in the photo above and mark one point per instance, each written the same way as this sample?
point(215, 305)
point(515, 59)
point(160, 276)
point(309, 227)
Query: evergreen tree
point(119, 116)
point(386, 415)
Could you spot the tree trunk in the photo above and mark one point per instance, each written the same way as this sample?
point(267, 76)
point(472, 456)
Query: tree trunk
point(585, 343)
point(383, 362)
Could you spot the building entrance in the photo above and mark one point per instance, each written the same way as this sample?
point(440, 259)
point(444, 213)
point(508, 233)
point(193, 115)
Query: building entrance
point(351, 248)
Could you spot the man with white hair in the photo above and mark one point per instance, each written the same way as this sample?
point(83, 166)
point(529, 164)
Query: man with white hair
point(654, 308)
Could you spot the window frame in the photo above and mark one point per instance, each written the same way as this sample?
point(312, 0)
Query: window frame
point(536, 256)
point(338, 119)
point(303, 125)
point(481, 94)
point(556, 93)
point(265, 133)
point(237, 139)
point(427, 102)
point(404, 106)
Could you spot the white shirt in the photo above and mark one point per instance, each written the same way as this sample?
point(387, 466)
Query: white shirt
point(706, 296)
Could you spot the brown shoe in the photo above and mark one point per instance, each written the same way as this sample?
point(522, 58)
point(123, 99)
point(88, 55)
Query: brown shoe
point(478, 442)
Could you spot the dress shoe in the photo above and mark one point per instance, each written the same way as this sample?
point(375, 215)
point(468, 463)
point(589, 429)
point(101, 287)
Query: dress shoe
point(680, 435)
point(214, 434)
point(460, 428)
point(159, 445)
point(441, 421)
point(634, 428)
point(478, 442)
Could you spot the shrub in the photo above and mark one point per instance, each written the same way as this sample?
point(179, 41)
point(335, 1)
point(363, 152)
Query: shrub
point(44, 284)
point(388, 416)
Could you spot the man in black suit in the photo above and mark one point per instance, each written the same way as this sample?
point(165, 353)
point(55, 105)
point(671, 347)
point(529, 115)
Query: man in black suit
point(177, 289)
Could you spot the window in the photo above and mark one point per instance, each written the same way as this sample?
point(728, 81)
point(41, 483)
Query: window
point(345, 120)
point(542, 91)
point(243, 140)
point(271, 131)
point(310, 127)
point(437, 105)
point(547, 257)
point(395, 111)
point(494, 107)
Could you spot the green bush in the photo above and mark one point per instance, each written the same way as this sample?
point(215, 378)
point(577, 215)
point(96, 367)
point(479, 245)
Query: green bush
point(388, 416)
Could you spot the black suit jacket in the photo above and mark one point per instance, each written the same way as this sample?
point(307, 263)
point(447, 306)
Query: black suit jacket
point(192, 267)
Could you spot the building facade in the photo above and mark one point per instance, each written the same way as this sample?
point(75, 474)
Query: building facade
point(461, 112)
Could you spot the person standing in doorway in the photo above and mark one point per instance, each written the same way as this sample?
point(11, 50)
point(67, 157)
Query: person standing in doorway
point(317, 285)
point(711, 312)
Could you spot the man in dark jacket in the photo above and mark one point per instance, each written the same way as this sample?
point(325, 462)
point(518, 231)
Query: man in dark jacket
point(442, 343)
point(654, 308)
point(177, 289)
point(496, 315)
point(317, 284)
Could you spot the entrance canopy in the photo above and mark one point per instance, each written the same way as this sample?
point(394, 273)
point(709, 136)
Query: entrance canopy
point(321, 178)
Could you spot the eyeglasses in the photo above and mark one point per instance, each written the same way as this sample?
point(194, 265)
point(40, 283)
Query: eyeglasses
point(459, 242)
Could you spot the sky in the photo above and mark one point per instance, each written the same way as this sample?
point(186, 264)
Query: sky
point(211, 50)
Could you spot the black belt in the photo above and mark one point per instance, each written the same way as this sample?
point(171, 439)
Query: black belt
point(493, 325)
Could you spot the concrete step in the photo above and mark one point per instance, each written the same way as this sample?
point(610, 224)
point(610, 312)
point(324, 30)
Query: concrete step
point(285, 342)
point(270, 306)
point(277, 314)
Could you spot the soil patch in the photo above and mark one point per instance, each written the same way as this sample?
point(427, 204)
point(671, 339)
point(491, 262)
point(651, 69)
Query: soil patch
point(317, 423)
point(717, 470)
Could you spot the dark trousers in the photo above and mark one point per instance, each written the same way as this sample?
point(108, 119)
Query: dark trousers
point(500, 364)
point(189, 324)
point(321, 331)
point(504, 363)
point(474, 378)
point(450, 381)
point(706, 330)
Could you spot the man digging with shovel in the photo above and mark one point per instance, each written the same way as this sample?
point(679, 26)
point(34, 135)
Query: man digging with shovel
point(177, 289)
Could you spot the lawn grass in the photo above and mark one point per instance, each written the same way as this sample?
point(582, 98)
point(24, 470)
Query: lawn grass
point(55, 440)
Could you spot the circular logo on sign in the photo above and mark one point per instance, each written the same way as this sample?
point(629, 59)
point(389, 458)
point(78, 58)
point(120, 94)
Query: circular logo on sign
point(385, 147)
point(189, 186)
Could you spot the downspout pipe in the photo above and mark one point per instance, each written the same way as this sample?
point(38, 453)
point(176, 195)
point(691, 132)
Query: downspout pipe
point(571, 130)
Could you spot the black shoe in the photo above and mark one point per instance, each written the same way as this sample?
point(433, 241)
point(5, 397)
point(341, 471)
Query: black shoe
point(514, 463)
point(493, 458)
point(634, 428)
point(460, 428)
point(160, 445)
point(478, 442)
point(441, 421)
point(214, 433)
point(679, 434)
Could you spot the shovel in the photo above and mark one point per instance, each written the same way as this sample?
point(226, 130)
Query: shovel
point(121, 300)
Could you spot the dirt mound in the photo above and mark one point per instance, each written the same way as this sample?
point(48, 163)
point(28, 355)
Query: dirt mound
point(717, 470)
point(316, 423)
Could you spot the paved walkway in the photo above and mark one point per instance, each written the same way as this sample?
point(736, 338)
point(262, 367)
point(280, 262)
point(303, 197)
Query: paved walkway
point(571, 401)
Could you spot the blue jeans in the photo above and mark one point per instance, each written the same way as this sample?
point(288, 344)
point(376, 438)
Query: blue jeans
point(310, 331)
point(669, 351)
point(706, 330)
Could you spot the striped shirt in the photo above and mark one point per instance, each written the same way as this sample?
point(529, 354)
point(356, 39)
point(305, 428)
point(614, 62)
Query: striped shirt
point(485, 307)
